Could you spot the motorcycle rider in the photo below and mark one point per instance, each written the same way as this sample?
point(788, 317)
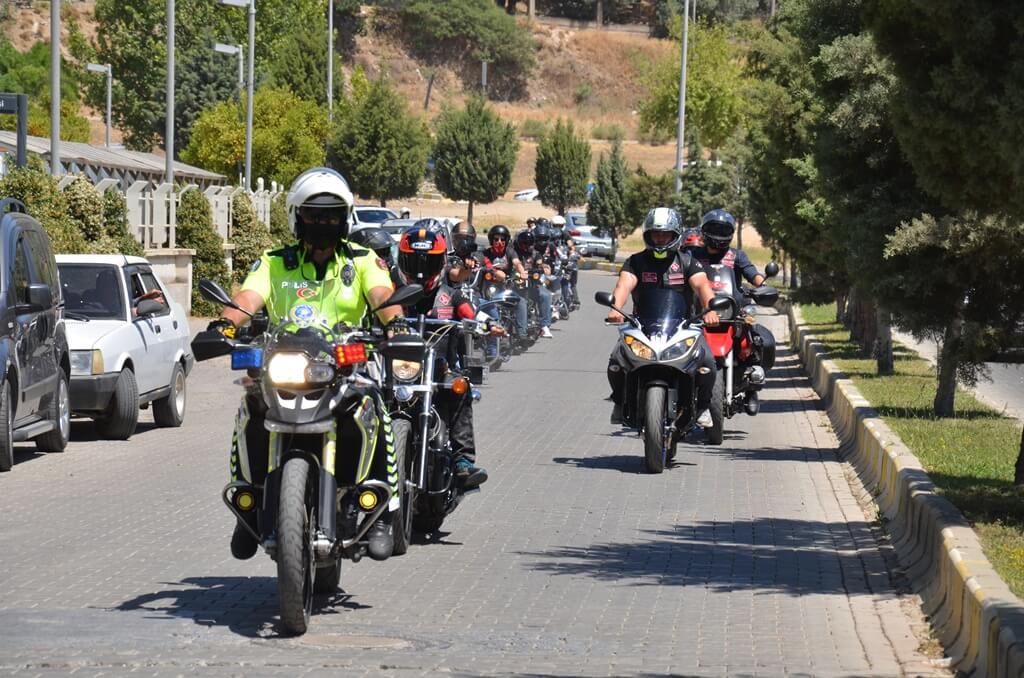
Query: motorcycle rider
point(422, 259)
point(525, 243)
point(465, 258)
point(323, 269)
point(377, 239)
point(717, 229)
point(662, 265)
point(503, 260)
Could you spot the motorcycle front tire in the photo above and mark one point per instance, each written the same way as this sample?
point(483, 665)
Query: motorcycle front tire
point(716, 433)
point(654, 429)
point(295, 561)
point(432, 509)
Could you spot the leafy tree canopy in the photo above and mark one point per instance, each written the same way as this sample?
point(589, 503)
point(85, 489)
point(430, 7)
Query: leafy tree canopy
point(562, 168)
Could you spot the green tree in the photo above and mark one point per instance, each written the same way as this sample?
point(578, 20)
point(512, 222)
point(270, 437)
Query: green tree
point(288, 137)
point(714, 87)
point(195, 231)
point(474, 154)
point(606, 208)
point(380, 147)
point(645, 192)
point(280, 229)
point(562, 168)
point(301, 64)
point(705, 186)
point(206, 79)
point(462, 33)
point(249, 235)
point(29, 73)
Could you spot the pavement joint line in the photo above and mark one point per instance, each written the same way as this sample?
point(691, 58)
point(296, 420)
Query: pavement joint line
point(978, 620)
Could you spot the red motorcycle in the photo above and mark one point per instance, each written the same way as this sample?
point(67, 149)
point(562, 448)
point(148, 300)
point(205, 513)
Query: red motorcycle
point(731, 343)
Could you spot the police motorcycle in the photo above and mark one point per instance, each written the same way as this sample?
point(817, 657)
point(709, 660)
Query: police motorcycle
point(414, 375)
point(731, 344)
point(318, 502)
point(659, 349)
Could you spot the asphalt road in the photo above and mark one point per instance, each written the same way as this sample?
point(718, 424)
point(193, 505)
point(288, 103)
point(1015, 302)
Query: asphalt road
point(753, 558)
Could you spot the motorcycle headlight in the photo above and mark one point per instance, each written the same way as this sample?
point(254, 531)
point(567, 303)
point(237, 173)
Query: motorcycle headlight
point(288, 368)
point(406, 370)
point(320, 373)
point(678, 350)
point(639, 348)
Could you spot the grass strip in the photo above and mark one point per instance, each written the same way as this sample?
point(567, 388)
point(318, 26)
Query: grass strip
point(970, 456)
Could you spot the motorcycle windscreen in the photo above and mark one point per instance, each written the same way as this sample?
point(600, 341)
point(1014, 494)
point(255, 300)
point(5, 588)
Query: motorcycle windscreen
point(661, 311)
point(723, 282)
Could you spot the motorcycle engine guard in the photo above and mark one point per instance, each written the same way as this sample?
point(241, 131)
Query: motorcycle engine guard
point(368, 423)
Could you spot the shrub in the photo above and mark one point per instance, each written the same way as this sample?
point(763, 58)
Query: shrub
point(249, 235)
point(38, 190)
point(607, 131)
point(584, 92)
point(533, 128)
point(115, 223)
point(280, 229)
point(196, 231)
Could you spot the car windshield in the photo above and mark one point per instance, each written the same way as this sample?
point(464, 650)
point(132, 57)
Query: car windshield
point(374, 216)
point(660, 311)
point(578, 219)
point(92, 290)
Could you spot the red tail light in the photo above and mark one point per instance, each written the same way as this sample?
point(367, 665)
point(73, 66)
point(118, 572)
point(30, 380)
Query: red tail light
point(574, 231)
point(349, 354)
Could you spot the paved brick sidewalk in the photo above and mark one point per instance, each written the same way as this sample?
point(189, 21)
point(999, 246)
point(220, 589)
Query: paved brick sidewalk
point(749, 559)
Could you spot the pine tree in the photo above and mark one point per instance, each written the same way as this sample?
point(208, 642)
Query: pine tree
point(606, 208)
point(249, 235)
point(195, 231)
point(563, 165)
point(474, 154)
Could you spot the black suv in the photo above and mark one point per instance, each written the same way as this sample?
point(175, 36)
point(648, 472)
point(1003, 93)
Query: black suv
point(33, 348)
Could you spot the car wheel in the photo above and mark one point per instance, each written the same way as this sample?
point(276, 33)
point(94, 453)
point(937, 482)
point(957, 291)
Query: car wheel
point(122, 413)
point(169, 411)
point(59, 413)
point(6, 428)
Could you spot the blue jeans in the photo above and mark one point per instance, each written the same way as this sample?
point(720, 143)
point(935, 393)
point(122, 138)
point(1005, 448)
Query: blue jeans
point(522, 317)
point(542, 295)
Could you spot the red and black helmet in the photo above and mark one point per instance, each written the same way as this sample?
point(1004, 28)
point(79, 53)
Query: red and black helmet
point(422, 255)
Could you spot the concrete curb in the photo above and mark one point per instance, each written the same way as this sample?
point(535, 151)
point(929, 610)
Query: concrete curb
point(977, 619)
point(591, 265)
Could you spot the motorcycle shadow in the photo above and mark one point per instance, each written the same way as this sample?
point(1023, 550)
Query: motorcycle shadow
point(246, 606)
point(428, 538)
point(624, 463)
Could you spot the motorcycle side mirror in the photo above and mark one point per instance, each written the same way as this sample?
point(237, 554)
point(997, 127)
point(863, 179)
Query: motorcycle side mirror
point(603, 298)
point(719, 304)
point(403, 296)
point(771, 270)
point(212, 291)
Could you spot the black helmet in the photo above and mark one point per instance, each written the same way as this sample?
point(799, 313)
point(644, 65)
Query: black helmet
point(374, 238)
point(498, 231)
point(718, 227)
point(542, 235)
point(524, 242)
point(464, 239)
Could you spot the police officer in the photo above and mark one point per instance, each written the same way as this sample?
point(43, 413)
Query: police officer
point(663, 266)
point(322, 271)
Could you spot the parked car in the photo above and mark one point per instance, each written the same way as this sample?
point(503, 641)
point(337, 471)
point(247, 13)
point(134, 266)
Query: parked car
point(130, 344)
point(34, 390)
point(590, 240)
point(527, 195)
point(369, 215)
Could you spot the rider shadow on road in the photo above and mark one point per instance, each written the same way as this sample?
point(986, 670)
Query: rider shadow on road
point(247, 606)
point(625, 463)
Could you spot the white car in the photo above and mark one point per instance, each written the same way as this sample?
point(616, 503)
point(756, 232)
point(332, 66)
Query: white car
point(129, 342)
point(370, 215)
point(527, 195)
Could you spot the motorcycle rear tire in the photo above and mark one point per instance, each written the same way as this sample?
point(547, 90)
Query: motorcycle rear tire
point(654, 429)
point(296, 517)
point(716, 433)
point(402, 522)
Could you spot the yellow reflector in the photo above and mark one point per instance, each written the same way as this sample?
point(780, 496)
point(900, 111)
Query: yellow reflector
point(245, 501)
point(690, 342)
point(367, 500)
point(629, 340)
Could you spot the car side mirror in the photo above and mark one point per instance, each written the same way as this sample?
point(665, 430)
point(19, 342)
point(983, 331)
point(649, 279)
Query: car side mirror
point(148, 307)
point(771, 270)
point(603, 298)
point(40, 296)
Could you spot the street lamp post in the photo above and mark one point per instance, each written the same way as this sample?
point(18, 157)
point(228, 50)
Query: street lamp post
point(330, 60)
point(107, 71)
point(251, 5)
point(681, 130)
point(234, 50)
point(169, 123)
point(55, 86)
